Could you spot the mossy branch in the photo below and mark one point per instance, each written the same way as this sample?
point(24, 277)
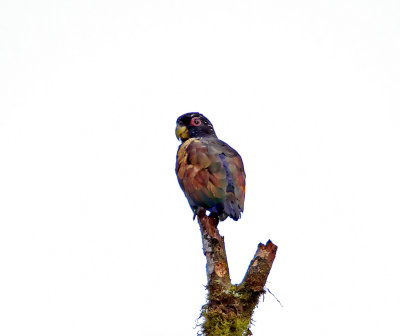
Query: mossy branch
point(230, 307)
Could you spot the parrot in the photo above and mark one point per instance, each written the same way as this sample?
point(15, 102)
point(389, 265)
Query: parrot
point(210, 172)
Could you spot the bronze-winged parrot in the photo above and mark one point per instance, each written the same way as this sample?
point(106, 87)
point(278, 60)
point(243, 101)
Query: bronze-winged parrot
point(210, 172)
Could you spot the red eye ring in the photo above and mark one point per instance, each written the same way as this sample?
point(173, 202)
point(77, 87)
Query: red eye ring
point(195, 121)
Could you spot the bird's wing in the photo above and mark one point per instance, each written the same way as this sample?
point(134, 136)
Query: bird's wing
point(200, 174)
point(208, 171)
point(233, 165)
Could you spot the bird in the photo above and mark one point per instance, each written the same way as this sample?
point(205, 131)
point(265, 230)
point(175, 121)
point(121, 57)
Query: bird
point(210, 172)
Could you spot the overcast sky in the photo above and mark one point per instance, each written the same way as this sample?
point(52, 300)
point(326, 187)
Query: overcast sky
point(96, 237)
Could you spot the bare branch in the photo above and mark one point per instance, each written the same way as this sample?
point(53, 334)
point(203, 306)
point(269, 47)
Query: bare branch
point(214, 250)
point(260, 266)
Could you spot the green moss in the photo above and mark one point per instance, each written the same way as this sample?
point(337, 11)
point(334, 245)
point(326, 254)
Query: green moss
point(216, 324)
point(228, 312)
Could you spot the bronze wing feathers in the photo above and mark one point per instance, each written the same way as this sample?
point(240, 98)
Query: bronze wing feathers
point(212, 176)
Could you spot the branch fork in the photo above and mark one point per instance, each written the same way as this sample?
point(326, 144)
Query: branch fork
point(230, 307)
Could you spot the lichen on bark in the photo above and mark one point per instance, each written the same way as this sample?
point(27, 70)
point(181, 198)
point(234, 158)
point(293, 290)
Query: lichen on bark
point(229, 307)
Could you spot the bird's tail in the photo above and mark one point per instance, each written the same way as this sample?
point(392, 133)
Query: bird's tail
point(231, 206)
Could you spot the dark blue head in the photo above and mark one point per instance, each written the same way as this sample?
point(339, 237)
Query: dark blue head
point(193, 125)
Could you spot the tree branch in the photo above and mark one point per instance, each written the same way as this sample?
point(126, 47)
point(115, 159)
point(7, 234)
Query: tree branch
point(230, 307)
point(214, 249)
point(260, 266)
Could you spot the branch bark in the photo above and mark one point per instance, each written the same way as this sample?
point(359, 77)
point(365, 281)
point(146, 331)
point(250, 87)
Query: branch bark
point(230, 307)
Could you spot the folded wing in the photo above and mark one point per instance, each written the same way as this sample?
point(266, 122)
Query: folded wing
point(212, 176)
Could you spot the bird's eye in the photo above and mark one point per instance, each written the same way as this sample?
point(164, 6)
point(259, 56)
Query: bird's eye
point(195, 121)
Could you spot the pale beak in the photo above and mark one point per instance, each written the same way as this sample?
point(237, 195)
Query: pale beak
point(182, 132)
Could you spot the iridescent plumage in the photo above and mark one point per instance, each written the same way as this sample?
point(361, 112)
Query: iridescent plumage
point(209, 171)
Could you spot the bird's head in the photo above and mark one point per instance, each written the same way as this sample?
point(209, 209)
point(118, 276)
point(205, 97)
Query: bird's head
point(193, 125)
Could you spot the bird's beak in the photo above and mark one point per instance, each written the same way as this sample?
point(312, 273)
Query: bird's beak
point(182, 133)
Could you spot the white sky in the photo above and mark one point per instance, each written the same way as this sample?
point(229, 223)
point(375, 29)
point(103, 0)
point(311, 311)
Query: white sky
point(96, 237)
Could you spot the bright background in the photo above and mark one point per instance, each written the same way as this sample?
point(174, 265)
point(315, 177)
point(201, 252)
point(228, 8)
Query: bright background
point(96, 237)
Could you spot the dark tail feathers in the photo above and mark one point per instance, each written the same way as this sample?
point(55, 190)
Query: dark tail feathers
point(231, 207)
